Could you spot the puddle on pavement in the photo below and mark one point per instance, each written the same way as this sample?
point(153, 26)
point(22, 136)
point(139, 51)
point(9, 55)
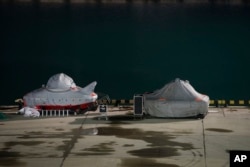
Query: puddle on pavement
point(160, 144)
point(116, 119)
point(121, 119)
point(102, 147)
point(10, 158)
point(64, 146)
point(91, 153)
point(89, 131)
point(41, 134)
point(219, 130)
point(151, 137)
point(24, 143)
point(135, 162)
point(99, 149)
point(11, 162)
point(5, 154)
point(128, 145)
point(71, 138)
point(155, 152)
point(232, 110)
point(35, 132)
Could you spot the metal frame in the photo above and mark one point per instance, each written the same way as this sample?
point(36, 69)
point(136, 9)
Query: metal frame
point(138, 105)
point(103, 111)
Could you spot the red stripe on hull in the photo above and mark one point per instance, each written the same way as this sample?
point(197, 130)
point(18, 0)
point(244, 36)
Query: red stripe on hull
point(67, 107)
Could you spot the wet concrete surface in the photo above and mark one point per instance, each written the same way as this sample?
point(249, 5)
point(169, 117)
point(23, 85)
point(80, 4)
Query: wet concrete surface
point(219, 130)
point(124, 140)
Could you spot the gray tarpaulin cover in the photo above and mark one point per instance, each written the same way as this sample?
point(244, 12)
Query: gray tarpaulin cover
point(176, 99)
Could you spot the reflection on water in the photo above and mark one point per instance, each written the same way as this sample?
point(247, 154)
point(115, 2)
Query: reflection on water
point(90, 131)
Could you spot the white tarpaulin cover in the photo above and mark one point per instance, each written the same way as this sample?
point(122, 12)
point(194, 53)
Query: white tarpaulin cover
point(61, 90)
point(29, 112)
point(60, 82)
point(176, 99)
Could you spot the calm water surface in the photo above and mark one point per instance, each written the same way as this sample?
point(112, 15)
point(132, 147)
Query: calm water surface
point(126, 48)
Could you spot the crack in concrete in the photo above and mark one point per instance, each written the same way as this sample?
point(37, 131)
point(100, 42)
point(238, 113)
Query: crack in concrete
point(71, 144)
point(204, 143)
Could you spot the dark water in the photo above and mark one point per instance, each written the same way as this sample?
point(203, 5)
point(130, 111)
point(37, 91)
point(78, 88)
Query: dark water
point(126, 48)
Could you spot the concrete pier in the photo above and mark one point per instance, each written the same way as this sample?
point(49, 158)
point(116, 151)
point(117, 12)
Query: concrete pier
point(124, 141)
